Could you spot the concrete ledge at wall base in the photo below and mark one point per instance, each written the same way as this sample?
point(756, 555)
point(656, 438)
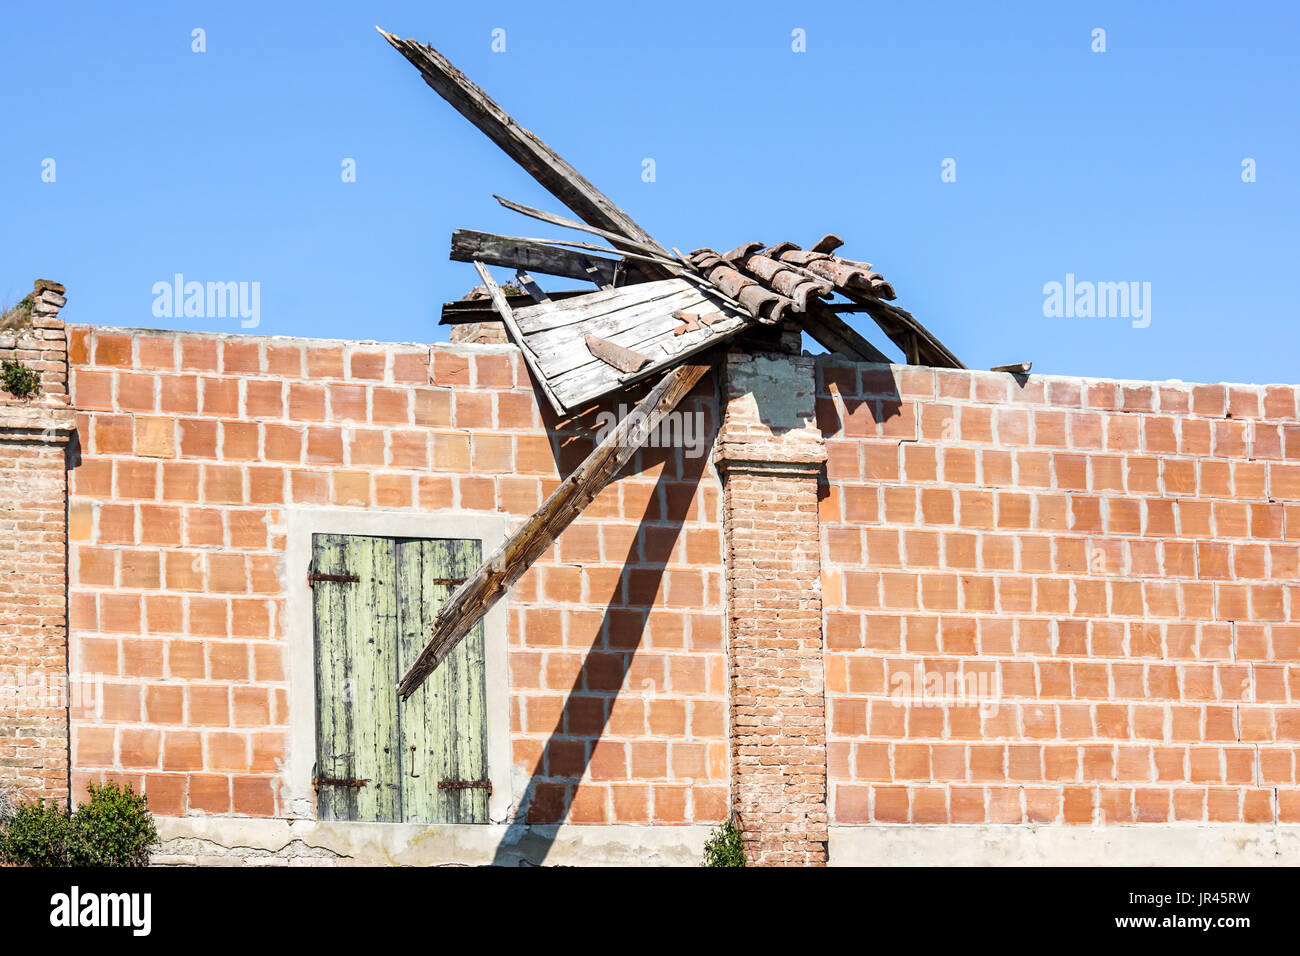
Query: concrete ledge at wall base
point(234, 841)
point(1174, 844)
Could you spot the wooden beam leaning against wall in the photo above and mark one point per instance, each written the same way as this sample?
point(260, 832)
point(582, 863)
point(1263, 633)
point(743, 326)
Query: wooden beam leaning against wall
point(480, 592)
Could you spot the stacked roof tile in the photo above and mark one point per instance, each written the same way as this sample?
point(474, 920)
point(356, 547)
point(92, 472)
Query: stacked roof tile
point(777, 280)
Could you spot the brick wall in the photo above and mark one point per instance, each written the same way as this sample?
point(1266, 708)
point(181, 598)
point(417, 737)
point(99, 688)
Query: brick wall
point(194, 445)
point(33, 487)
point(1101, 577)
point(1116, 563)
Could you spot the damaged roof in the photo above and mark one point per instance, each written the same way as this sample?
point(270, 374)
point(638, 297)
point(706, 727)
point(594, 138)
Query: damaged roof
point(652, 312)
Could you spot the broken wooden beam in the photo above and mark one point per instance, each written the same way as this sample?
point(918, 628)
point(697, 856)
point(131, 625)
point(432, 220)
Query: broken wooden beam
point(529, 285)
point(489, 583)
point(550, 218)
point(482, 310)
point(913, 338)
point(541, 162)
point(508, 317)
point(535, 256)
point(836, 335)
point(1015, 368)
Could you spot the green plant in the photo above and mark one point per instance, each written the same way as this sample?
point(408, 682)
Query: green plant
point(723, 847)
point(19, 380)
point(114, 829)
point(37, 835)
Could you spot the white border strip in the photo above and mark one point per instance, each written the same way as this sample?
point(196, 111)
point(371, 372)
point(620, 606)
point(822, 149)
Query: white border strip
point(1146, 844)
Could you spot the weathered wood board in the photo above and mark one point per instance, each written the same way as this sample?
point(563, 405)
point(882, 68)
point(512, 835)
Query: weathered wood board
point(638, 317)
point(356, 640)
point(534, 255)
point(378, 760)
point(443, 724)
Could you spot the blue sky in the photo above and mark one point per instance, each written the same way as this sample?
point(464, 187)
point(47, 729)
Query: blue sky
point(1122, 166)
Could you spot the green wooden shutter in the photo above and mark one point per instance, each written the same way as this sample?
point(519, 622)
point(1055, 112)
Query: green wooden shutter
point(356, 641)
point(374, 601)
point(444, 723)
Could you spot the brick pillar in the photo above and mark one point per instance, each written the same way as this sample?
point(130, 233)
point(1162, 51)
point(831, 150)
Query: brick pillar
point(34, 434)
point(769, 454)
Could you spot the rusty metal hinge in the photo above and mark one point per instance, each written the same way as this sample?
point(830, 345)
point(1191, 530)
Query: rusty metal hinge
point(319, 782)
point(466, 785)
point(450, 582)
point(341, 578)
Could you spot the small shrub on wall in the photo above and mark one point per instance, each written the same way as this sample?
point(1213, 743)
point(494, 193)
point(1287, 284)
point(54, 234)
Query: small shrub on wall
point(19, 380)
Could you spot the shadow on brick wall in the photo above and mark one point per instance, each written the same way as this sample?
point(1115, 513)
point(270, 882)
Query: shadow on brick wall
point(568, 752)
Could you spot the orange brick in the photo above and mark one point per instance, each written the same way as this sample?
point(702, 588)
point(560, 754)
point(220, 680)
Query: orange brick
point(253, 796)
point(210, 793)
point(182, 750)
point(209, 706)
point(350, 488)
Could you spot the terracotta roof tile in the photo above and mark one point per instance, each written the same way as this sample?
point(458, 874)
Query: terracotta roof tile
point(774, 281)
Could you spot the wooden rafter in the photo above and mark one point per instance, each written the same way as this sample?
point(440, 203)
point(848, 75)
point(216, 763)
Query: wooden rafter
point(482, 310)
point(917, 342)
point(536, 255)
point(557, 176)
point(836, 335)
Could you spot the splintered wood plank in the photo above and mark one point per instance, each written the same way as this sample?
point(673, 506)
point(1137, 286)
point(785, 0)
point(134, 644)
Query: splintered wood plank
point(595, 379)
point(356, 635)
point(529, 285)
point(558, 353)
point(575, 381)
point(554, 335)
point(534, 319)
point(651, 250)
point(526, 148)
point(507, 316)
point(444, 723)
point(466, 607)
point(622, 318)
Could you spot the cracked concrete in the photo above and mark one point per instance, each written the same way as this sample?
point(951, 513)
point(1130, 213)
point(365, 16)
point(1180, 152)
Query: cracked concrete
point(233, 841)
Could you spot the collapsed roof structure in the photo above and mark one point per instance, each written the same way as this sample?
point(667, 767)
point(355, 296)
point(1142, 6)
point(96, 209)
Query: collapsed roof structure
point(654, 311)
